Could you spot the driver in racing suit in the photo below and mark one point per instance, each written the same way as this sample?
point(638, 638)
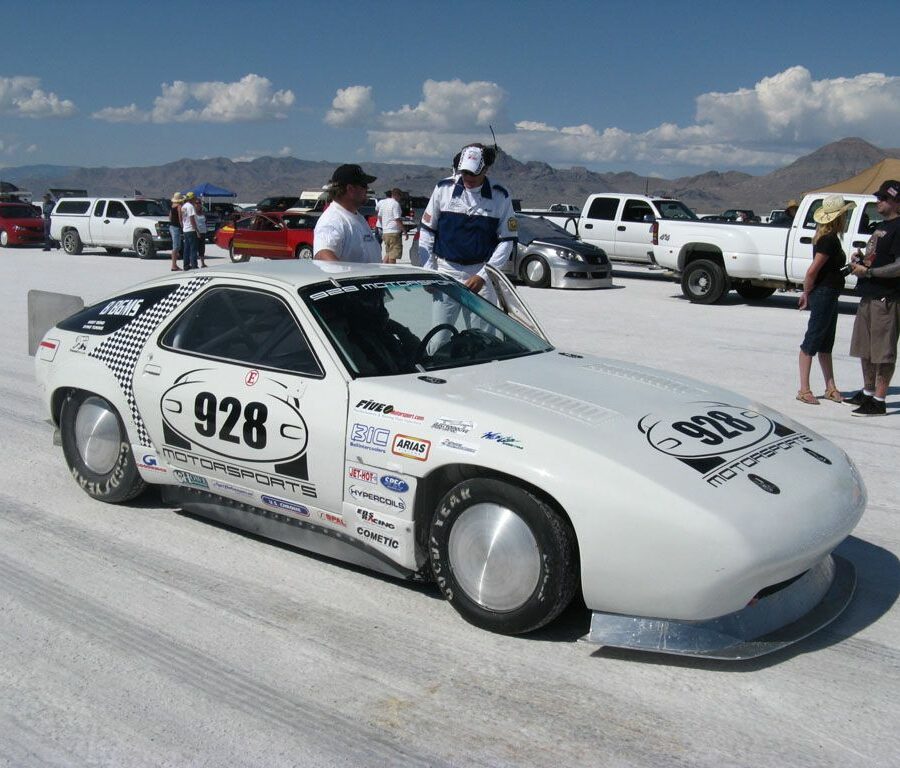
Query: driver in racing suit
point(468, 223)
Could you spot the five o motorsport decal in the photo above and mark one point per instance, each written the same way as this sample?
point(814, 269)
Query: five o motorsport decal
point(268, 428)
point(706, 435)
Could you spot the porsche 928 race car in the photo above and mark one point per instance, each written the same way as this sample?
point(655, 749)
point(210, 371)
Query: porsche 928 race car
point(388, 417)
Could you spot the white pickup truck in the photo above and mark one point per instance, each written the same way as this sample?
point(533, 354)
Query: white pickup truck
point(113, 223)
point(620, 223)
point(711, 258)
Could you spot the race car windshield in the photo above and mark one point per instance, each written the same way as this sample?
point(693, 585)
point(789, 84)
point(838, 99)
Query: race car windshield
point(415, 324)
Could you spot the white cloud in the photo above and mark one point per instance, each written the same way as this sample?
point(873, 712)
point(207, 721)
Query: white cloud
point(769, 124)
point(452, 106)
point(353, 104)
point(250, 98)
point(23, 97)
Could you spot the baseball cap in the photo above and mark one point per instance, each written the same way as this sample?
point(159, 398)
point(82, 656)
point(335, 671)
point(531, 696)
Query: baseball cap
point(472, 160)
point(889, 190)
point(351, 174)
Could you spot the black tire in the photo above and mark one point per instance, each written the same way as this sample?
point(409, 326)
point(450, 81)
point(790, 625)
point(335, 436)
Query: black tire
point(113, 251)
point(97, 449)
point(236, 258)
point(754, 292)
point(530, 572)
point(303, 251)
point(704, 282)
point(144, 246)
point(536, 272)
point(71, 242)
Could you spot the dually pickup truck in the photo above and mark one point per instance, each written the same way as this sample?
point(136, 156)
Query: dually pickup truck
point(116, 224)
point(711, 258)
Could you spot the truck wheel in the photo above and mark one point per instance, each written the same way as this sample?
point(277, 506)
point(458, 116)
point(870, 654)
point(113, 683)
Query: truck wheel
point(71, 242)
point(704, 282)
point(503, 558)
point(754, 292)
point(143, 246)
point(236, 258)
point(303, 252)
point(535, 272)
point(97, 450)
point(113, 251)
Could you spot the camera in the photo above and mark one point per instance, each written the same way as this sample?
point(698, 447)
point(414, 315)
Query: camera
point(846, 270)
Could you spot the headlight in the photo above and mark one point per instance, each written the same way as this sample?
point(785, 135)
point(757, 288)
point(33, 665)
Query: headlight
point(565, 253)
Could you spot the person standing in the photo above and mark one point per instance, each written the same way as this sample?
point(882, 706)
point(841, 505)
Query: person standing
point(200, 218)
point(189, 232)
point(175, 229)
point(877, 324)
point(468, 223)
point(822, 286)
point(46, 210)
point(342, 233)
point(390, 218)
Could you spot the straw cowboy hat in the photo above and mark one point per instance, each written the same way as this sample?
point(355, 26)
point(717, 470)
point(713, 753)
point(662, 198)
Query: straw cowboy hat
point(832, 207)
point(178, 198)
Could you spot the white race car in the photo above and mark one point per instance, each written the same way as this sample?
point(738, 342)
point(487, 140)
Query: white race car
point(388, 417)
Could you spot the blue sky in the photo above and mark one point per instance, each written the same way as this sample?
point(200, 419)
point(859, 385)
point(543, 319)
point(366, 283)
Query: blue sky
point(654, 87)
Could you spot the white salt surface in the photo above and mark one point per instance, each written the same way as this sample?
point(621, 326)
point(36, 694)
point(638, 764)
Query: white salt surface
point(135, 635)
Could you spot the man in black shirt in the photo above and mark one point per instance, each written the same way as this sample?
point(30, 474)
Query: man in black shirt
point(877, 325)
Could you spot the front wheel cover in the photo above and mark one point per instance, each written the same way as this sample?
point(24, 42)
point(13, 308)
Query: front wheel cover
point(97, 450)
point(505, 559)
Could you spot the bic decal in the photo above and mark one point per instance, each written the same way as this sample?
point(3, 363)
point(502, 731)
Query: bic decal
point(267, 428)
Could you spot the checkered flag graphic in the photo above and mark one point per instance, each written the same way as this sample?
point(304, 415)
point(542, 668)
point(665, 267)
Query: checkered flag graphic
point(122, 349)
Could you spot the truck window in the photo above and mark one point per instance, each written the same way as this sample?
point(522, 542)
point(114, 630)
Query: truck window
point(809, 222)
point(674, 209)
point(98, 208)
point(636, 210)
point(604, 208)
point(116, 210)
point(869, 219)
point(73, 206)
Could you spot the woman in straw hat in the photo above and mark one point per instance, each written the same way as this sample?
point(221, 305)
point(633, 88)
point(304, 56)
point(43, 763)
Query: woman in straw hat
point(175, 228)
point(821, 287)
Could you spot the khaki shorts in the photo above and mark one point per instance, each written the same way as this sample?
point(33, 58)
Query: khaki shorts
point(875, 331)
point(393, 250)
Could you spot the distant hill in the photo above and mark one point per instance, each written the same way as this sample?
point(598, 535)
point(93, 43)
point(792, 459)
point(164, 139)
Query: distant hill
point(535, 183)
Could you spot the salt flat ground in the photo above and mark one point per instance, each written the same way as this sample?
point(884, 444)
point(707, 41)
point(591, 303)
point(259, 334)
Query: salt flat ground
point(137, 635)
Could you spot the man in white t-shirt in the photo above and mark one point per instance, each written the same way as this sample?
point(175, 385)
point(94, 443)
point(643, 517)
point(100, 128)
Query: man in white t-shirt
point(390, 219)
point(189, 232)
point(342, 233)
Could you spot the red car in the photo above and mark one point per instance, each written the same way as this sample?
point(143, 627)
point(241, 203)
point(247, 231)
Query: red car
point(20, 224)
point(271, 235)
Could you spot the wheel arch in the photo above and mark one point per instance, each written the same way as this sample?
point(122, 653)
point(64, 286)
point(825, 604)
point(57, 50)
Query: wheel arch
point(432, 487)
point(694, 251)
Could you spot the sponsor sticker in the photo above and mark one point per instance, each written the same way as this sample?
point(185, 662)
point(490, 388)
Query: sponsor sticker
point(251, 378)
point(363, 475)
point(122, 308)
point(370, 517)
point(454, 426)
point(386, 409)
point(369, 438)
point(229, 488)
point(80, 345)
point(394, 483)
point(364, 494)
point(189, 478)
point(376, 537)
point(331, 518)
point(150, 461)
point(285, 505)
point(458, 445)
point(411, 447)
point(508, 440)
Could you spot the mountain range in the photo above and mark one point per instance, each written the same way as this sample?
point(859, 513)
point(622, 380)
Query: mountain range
point(536, 183)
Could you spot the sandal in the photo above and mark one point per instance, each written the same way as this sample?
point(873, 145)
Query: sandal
point(806, 396)
point(834, 395)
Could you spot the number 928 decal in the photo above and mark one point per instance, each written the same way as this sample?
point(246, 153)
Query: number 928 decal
point(704, 430)
point(266, 428)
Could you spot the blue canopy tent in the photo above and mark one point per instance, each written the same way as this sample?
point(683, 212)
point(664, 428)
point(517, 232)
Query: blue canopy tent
point(211, 190)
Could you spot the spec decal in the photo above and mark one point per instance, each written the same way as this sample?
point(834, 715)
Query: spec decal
point(269, 429)
point(411, 447)
point(395, 484)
